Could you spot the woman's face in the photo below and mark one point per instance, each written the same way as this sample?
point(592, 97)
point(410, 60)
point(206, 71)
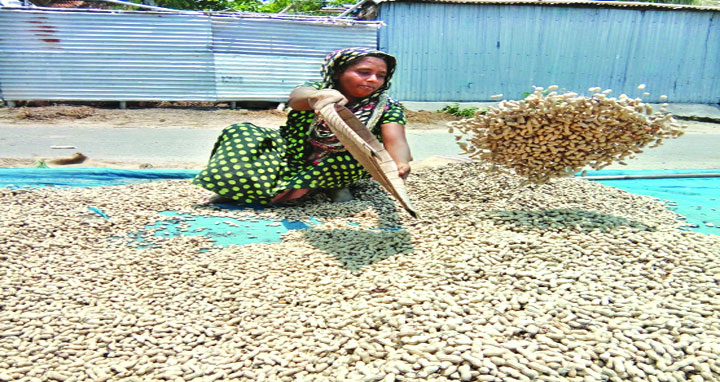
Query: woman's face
point(362, 78)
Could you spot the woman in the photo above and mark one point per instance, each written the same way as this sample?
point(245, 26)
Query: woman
point(251, 164)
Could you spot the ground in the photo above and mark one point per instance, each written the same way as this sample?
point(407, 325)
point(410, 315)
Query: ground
point(153, 117)
point(696, 149)
point(158, 116)
point(171, 117)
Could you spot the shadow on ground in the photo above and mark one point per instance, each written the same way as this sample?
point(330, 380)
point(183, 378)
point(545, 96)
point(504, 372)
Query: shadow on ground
point(564, 219)
point(355, 249)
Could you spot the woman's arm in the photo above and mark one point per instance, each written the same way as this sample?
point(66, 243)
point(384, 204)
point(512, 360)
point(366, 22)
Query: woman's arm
point(393, 135)
point(307, 98)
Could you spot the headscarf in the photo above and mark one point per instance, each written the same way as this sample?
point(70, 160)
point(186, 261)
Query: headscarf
point(368, 110)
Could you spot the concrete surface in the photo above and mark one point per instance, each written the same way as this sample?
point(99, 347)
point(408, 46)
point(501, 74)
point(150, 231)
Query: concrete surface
point(160, 145)
point(126, 144)
point(710, 113)
point(698, 148)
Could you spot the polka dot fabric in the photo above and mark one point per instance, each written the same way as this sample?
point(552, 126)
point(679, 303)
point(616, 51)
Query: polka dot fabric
point(252, 164)
point(245, 163)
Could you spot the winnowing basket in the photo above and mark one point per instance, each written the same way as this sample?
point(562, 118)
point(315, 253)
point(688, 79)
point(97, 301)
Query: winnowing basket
point(366, 149)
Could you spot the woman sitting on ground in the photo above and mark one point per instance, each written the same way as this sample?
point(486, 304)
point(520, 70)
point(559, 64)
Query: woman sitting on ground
point(251, 164)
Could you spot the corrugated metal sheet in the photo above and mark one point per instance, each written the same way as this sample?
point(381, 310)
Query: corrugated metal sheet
point(468, 52)
point(265, 59)
point(590, 3)
point(105, 56)
point(124, 56)
point(262, 77)
point(10, 3)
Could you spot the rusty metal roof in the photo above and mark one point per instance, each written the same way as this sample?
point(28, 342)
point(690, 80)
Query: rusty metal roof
point(618, 4)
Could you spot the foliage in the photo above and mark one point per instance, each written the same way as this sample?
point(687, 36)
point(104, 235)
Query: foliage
point(456, 110)
point(299, 6)
point(194, 5)
point(40, 164)
point(203, 5)
point(271, 6)
point(245, 5)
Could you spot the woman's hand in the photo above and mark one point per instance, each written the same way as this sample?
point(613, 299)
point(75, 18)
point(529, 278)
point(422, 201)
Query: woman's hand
point(403, 170)
point(307, 98)
point(324, 97)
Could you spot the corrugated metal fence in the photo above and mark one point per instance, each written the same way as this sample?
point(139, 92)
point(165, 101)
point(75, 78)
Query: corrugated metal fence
point(446, 52)
point(256, 59)
point(134, 56)
point(468, 52)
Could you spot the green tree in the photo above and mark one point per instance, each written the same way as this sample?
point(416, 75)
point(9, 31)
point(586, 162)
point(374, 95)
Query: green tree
point(194, 5)
point(298, 6)
point(272, 6)
point(245, 5)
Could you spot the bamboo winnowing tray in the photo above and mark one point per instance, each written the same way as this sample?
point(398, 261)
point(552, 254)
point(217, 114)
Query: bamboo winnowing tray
point(366, 149)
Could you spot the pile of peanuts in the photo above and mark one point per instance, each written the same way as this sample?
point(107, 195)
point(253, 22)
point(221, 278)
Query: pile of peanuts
point(550, 134)
point(497, 281)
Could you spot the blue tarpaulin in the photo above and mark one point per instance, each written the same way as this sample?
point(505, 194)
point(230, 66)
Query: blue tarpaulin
point(222, 230)
point(85, 176)
point(696, 198)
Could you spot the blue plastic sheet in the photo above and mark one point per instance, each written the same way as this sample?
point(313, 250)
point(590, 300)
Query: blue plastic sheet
point(85, 176)
point(223, 231)
point(697, 199)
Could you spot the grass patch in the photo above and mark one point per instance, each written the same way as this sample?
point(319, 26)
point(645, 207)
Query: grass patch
point(458, 111)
